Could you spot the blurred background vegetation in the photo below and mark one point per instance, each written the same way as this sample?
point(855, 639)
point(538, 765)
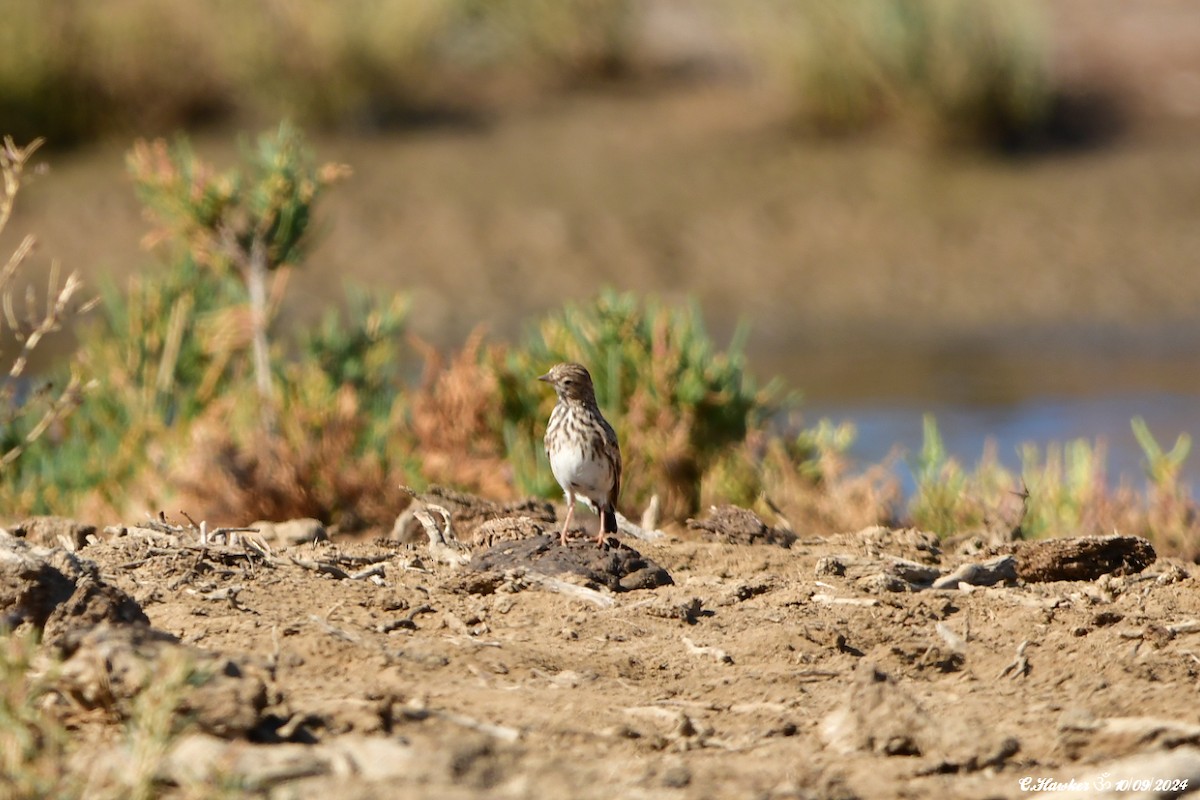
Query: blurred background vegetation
point(918, 200)
point(73, 71)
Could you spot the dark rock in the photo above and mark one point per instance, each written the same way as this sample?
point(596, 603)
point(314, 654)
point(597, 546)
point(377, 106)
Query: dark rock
point(616, 565)
point(1082, 559)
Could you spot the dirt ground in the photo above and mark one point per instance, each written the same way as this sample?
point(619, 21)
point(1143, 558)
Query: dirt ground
point(774, 666)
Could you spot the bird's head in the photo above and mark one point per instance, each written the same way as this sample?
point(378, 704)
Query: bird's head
point(571, 382)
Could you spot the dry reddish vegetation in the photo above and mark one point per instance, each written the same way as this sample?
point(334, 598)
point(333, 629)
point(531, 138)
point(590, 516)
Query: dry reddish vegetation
point(819, 669)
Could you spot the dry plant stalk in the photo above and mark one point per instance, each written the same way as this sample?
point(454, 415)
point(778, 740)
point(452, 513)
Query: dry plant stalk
point(27, 322)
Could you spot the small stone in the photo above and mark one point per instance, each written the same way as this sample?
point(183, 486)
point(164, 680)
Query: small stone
point(292, 531)
point(54, 532)
point(830, 566)
point(504, 604)
point(676, 776)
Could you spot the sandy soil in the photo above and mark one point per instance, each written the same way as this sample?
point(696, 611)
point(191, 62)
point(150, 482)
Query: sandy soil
point(761, 672)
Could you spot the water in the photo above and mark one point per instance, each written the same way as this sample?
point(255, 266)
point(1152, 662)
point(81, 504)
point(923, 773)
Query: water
point(1040, 393)
point(966, 429)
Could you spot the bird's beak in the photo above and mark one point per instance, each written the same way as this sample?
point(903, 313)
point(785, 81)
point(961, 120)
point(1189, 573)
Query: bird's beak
point(545, 377)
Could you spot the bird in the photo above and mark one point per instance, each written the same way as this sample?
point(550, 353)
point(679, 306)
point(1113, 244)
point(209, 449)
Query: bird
point(582, 447)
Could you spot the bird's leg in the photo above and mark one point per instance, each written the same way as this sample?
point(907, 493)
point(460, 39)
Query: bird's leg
point(562, 537)
point(608, 522)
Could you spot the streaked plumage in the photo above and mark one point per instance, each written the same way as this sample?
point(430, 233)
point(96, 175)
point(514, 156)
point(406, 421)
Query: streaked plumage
point(582, 447)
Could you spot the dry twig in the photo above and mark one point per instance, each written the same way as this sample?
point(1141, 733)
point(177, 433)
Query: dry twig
point(1019, 667)
point(828, 599)
point(443, 546)
point(419, 711)
point(571, 590)
point(30, 325)
point(201, 531)
point(715, 653)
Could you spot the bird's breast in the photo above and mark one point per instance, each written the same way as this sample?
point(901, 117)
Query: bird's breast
point(583, 473)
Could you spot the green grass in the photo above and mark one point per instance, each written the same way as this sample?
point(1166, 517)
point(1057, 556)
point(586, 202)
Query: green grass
point(1062, 490)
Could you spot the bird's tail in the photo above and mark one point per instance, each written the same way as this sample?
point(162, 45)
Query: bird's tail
point(608, 519)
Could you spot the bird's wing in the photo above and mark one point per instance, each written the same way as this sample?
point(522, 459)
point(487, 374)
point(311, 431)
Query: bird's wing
point(610, 437)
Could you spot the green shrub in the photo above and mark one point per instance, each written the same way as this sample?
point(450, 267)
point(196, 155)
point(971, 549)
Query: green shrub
point(1060, 490)
point(335, 453)
point(253, 220)
point(360, 348)
point(1162, 467)
point(938, 504)
point(1066, 486)
point(176, 413)
point(1063, 490)
point(949, 499)
point(157, 372)
point(678, 402)
point(1172, 518)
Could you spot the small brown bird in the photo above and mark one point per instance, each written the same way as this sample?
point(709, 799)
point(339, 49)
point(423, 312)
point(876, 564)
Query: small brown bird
point(582, 447)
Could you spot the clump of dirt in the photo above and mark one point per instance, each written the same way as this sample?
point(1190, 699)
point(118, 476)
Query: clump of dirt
point(831, 668)
point(54, 590)
point(615, 566)
point(1083, 559)
point(739, 526)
